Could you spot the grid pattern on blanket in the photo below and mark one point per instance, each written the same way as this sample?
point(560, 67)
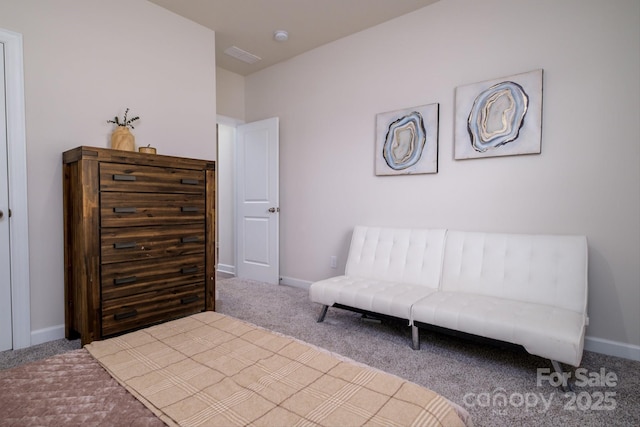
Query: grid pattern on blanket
point(211, 369)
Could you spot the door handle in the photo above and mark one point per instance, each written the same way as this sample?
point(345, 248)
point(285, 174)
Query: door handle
point(274, 210)
point(1, 214)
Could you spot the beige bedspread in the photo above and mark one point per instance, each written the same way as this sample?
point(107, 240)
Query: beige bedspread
point(213, 370)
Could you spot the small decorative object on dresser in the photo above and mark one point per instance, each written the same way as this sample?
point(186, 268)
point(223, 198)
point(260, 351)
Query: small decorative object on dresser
point(138, 235)
point(122, 138)
point(148, 149)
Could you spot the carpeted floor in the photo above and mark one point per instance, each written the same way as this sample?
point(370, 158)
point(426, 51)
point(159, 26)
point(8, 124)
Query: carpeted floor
point(12, 358)
point(498, 386)
point(478, 376)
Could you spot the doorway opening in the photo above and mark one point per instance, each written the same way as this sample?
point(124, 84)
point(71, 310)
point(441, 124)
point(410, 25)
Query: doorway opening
point(248, 199)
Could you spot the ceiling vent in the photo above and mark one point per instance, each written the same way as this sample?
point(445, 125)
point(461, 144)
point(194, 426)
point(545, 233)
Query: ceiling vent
point(242, 55)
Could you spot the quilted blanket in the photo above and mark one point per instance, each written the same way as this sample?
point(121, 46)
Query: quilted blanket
point(69, 389)
point(213, 370)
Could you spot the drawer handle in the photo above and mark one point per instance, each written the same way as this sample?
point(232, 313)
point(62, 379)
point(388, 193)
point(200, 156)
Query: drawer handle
point(125, 315)
point(189, 299)
point(124, 245)
point(124, 280)
point(190, 239)
point(124, 177)
point(188, 181)
point(189, 209)
point(124, 210)
point(188, 270)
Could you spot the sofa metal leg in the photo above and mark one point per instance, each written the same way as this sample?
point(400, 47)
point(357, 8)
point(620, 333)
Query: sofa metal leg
point(323, 313)
point(566, 384)
point(415, 337)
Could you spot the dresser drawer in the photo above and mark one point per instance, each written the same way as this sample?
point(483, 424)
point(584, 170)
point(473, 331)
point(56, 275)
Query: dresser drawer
point(137, 209)
point(139, 243)
point(150, 179)
point(129, 278)
point(140, 310)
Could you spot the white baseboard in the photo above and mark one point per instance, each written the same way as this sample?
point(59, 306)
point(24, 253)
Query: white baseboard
point(228, 269)
point(612, 348)
point(52, 333)
point(296, 283)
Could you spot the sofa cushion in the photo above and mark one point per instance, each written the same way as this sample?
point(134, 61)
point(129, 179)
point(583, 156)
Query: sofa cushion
point(389, 298)
point(543, 269)
point(403, 255)
point(543, 330)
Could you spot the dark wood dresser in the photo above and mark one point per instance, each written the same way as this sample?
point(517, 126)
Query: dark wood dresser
point(139, 240)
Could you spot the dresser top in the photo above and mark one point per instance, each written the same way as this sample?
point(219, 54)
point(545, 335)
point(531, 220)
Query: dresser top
point(134, 158)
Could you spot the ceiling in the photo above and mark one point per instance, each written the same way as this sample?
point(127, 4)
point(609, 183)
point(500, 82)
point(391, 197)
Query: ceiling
point(250, 24)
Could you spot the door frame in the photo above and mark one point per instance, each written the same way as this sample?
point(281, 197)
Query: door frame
point(17, 175)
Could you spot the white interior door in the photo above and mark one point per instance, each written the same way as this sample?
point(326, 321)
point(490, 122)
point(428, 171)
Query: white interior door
point(13, 174)
point(257, 201)
point(6, 341)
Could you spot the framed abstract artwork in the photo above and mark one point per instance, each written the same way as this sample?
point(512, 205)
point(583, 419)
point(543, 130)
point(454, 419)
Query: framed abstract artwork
point(407, 141)
point(500, 117)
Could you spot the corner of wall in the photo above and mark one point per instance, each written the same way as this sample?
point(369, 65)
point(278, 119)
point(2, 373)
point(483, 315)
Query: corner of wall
point(230, 89)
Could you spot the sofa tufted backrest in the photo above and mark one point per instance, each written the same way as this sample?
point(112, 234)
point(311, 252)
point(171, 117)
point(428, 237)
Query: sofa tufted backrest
point(411, 256)
point(544, 269)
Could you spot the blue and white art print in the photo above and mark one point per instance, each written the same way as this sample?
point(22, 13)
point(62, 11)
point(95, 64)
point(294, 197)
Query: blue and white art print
point(500, 117)
point(407, 141)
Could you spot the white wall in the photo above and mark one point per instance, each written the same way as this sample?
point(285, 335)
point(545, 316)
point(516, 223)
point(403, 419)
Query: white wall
point(85, 62)
point(230, 94)
point(586, 181)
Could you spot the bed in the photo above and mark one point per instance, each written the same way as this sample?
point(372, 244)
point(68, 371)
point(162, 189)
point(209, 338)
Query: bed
point(211, 369)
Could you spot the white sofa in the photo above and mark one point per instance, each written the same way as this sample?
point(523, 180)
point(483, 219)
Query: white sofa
point(529, 290)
